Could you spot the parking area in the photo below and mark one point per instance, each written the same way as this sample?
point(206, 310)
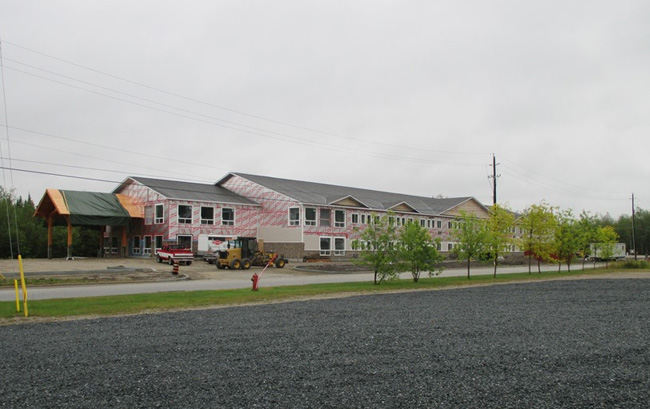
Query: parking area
point(198, 270)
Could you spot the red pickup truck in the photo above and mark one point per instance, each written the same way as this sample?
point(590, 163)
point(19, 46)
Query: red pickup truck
point(172, 253)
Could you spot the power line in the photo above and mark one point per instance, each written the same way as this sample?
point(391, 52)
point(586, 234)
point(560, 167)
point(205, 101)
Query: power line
point(172, 93)
point(152, 102)
point(88, 168)
point(269, 134)
point(60, 175)
point(103, 159)
point(203, 103)
point(369, 154)
point(565, 192)
point(542, 175)
point(154, 186)
point(109, 147)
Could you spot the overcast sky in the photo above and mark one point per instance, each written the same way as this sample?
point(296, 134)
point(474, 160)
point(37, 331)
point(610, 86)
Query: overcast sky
point(403, 96)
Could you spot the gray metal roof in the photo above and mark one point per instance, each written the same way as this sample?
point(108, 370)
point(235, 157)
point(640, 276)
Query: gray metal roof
point(191, 191)
point(324, 194)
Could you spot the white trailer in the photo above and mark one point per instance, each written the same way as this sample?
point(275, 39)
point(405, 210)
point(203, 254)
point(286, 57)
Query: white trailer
point(618, 251)
point(205, 244)
point(209, 245)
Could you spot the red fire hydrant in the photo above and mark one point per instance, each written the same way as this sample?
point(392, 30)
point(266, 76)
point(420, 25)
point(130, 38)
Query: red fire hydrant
point(255, 279)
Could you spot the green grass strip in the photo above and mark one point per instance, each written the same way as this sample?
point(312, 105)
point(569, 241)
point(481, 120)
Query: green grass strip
point(166, 301)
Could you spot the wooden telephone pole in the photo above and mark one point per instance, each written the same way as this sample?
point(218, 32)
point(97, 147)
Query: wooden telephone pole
point(494, 179)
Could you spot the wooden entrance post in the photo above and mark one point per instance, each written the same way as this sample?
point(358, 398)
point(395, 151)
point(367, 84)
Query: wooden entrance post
point(124, 242)
point(50, 229)
point(67, 219)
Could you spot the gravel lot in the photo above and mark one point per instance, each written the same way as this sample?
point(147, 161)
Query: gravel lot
point(561, 344)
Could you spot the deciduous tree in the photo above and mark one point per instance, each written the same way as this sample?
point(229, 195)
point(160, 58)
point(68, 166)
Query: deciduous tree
point(417, 251)
point(587, 229)
point(538, 224)
point(567, 238)
point(470, 234)
point(607, 238)
point(499, 233)
point(377, 243)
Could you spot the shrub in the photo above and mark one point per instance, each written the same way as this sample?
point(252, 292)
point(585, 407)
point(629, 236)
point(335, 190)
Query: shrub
point(632, 264)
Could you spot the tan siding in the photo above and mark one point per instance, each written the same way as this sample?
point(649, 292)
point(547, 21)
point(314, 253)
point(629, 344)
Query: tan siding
point(271, 234)
point(348, 202)
point(312, 243)
point(471, 206)
point(403, 208)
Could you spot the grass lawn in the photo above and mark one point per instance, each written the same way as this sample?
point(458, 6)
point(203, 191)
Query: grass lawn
point(144, 303)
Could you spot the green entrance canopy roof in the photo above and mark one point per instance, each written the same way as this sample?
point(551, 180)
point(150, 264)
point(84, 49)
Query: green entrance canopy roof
point(87, 208)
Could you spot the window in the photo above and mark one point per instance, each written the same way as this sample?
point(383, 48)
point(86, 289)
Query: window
point(310, 216)
point(439, 224)
point(325, 217)
point(339, 246)
point(403, 221)
point(339, 218)
point(185, 241)
point(325, 246)
point(429, 223)
point(184, 214)
point(449, 225)
point(355, 218)
point(363, 219)
point(158, 242)
point(147, 245)
point(423, 223)
point(160, 218)
point(450, 246)
point(227, 216)
point(410, 220)
point(207, 215)
point(391, 220)
point(136, 244)
point(438, 246)
point(148, 215)
point(294, 216)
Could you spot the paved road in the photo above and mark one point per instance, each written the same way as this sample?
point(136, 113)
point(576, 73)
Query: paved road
point(268, 280)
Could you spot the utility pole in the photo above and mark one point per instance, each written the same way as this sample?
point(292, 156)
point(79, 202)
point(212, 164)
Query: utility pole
point(633, 228)
point(494, 179)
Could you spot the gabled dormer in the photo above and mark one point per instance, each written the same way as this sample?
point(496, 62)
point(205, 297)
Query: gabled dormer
point(403, 207)
point(349, 201)
point(469, 205)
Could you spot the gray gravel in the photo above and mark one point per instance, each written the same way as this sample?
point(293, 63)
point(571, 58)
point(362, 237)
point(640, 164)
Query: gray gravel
point(563, 344)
